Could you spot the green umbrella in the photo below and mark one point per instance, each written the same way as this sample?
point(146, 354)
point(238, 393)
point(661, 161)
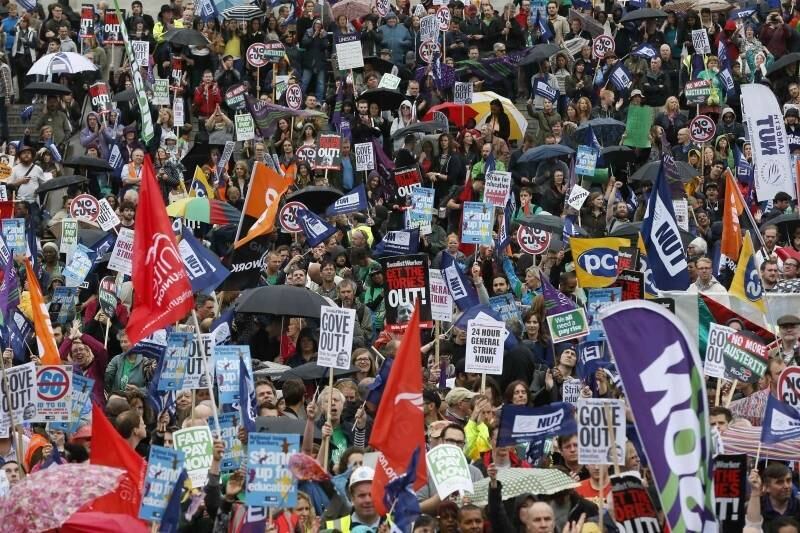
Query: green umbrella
point(518, 481)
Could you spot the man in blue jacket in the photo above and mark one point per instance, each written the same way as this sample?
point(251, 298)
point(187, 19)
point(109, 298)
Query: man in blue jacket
point(395, 37)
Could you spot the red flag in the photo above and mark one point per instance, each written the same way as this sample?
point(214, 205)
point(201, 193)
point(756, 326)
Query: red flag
point(787, 252)
point(400, 413)
point(110, 449)
point(162, 292)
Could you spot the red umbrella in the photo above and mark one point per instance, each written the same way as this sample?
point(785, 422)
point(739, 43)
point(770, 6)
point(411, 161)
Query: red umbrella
point(95, 522)
point(458, 114)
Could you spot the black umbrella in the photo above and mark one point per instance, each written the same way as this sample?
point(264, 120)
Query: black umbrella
point(282, 425)
point(618, 155)
point(47, 88)
point(539, 53)
point(631, 230)
point(124, 96)
point(185, 37)
point(83, 161)
point(649, 171)
point(786, 224)
point(317, 199)
point(550, 223)
point(381, 65)
point(313, 372)
point(282, 300)
point(783, 62)
point(387, 99)
point(421, 127)
point(643, 14)
point(545, 151)
point(60, 182)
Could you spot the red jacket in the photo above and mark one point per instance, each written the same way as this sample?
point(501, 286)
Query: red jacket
point(206, 99)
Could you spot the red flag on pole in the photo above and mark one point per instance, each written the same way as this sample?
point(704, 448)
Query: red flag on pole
point(400, 413)
point(110, 449)
point(162, 293)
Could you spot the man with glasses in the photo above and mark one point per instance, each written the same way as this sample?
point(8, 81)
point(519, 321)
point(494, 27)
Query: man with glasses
point(452, 435)
point(790, 282)
point(788, 333)
point(459, 406)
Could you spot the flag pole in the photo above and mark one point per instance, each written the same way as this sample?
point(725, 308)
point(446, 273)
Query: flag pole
point(716, 394)
point(209, 381)
point(758, 452)
point(437, 327)
point(730, 394)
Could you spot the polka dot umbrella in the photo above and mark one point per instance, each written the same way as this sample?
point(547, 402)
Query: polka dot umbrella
point(518, 481)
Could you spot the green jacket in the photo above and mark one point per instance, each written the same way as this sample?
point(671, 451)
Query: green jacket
point(114, 378)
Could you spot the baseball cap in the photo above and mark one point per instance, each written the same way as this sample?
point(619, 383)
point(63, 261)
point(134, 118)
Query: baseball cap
point(459, 394)
point(636, 92)
point(788, 320)
point(361, 474)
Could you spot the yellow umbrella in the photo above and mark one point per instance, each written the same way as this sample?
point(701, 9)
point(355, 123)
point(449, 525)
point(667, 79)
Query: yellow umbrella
point(480, 103)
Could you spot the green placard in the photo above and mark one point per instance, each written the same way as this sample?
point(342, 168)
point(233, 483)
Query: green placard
point(637, 129)
point(568, 325)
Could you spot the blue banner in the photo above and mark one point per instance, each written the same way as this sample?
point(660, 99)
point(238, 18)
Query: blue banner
point(519, 423)
point(645, 50)
point(315, 229)
point(247, 398)
point(226, 363)
point(269, 481)
point(164, 467)
point(620, 77)
point(173, 369)
point(461, 289)
point(506, 307)
point(781, 422)
point(667, 394)
point(543, 89)
point(353, 202)
point(400, 242)
point(205, 270)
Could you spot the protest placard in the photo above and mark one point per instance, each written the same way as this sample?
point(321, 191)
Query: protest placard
point(700, 41)
point(121, 259)
point(19, 394)
point(173, 369)
point(745, 358)
point(637, 128)
point(697, 92)
point(69, 236)
point(53, 393)
point(586, 160)
point(633, 508)
point(80, 404)
point(484, 351)
point(111, 30)
point(389, 81)
point(594, 434)
point(681, 210)
point(233, 456)
point(14, 234)
point(449, 471)
point(87, 21)
point(506, 307)
point(196, 444)
point(730, 491)
point(226, 363)
point(571, 390)
point(336, 329)
point(568, 325)
point(161, 92)
point(365, 157)
point(62, 305)
point(107, 217)
point(421, 212)
point(429, 28)
point(577, 196)
point(476, 223)
point(462, 93)
point(520, 423)
point(328, 153)
point(270, 482)
point(596, 300)
point(406, 279)
point(717, 340)
point(406, 179)
point(497, 187)
point(178, 118)
point(141, 52)
point(195, 376)
point(348, 51)
point(245, 127)
point(79, 265)
point(441, 300)
point(632, 284)
point(164, 467)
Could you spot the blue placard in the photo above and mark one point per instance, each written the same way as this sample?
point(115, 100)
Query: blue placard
point(596, 300)
point(176, 357)
point(14, 234)
point(233, 457)
point(226, 363)
point(506, 307)
point(586, 160)
point(269, 481)
point(163, 469)
point(81, 404)
point(477, 222)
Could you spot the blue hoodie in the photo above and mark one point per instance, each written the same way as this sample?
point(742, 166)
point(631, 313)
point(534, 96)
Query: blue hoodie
point(397, 39)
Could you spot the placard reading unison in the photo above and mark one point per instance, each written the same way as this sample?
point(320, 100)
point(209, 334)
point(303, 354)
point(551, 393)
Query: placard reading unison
point(406, 282)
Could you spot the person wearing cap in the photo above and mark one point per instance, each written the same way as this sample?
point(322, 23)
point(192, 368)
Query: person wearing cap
point(164, 24)
point(364, 514)
point(789, 334)
point(26, 175)
point(459, 405)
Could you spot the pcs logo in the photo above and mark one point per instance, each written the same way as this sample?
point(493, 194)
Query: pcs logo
point(599, 262)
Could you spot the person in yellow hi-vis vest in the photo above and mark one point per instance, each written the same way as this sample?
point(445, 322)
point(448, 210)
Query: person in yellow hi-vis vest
point(364, 513)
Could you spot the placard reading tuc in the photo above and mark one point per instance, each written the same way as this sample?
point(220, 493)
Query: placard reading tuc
point(336, 329)
point(594, 437)
point(484, 351)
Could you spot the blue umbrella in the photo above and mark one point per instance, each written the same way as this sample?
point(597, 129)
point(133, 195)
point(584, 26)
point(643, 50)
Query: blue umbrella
point(546, 151)
point(608, 130)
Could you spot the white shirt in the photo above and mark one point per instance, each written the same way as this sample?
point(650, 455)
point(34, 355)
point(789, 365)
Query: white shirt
point(26, 191)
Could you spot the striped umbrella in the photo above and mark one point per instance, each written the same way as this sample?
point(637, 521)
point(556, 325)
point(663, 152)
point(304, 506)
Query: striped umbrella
point(745, 440)
point(243, 13)
point(204, 210)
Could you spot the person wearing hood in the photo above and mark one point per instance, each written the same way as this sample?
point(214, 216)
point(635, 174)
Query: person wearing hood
point(728, 125)
point(396, 38)
point(792, 123)
point(697, 248)
point(405, 117)
point(94, 134)
point(315, 42)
